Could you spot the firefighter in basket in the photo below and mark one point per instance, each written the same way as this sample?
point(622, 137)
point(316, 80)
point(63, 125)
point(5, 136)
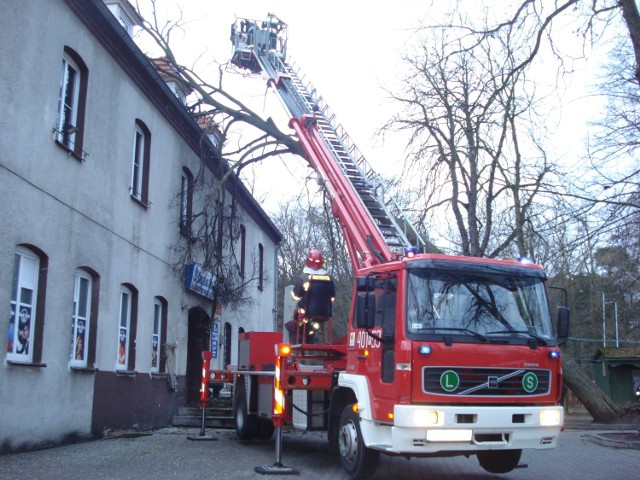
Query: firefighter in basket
point(315, 293)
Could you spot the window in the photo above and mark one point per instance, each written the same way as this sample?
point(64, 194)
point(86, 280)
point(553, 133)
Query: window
point(81, 319)
point(510, 304)
point(127, 328)
point(26, 323)
point(123, 329)
point(243, 247)
point(186, 199)
point(227, 344)
point(158, 335)
point(220, 231)
point(260, 266)
point(140, 164)
point(23, 306)
point(71, 102)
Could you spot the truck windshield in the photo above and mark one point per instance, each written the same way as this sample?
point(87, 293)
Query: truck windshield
point(483, 306)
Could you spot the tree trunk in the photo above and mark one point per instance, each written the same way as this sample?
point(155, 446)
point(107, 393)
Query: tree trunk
point(632, 19)
point(597, 403)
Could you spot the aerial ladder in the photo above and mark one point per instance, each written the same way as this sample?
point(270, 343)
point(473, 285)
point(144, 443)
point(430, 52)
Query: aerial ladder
point(375, 227)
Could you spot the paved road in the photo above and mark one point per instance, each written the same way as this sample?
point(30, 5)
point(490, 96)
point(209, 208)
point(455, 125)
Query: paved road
point(168, 454)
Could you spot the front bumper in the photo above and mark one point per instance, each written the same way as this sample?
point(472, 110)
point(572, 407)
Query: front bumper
point(464, 429)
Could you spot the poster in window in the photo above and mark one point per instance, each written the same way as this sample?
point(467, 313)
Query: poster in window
point(80, 340)
point(24, 326)
point(122, 346)
point(154, 352)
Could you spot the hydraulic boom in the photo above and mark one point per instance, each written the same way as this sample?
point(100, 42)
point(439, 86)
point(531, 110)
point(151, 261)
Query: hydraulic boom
point(375, 228)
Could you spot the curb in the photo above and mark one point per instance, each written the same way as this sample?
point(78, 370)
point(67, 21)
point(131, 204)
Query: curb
point(616, 427)
point(616, 439)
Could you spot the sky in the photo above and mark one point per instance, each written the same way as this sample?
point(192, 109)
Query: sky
point(350, 51)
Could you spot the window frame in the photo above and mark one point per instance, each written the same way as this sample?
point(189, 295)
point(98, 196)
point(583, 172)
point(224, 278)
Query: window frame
point(260, 267)
point(243, 250)
point(220, 232)
point(79, 332)
point(69, 133)
point(227, 345)
point(186, 201)
point(140, 163)
point(159, 331)
point(19, 283)
point(124, 331)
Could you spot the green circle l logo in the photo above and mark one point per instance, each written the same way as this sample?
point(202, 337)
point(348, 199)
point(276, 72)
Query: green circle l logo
point(530, 382)
point(449, 381)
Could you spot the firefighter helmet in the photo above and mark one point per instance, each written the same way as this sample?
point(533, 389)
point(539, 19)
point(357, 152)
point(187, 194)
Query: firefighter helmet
point(315, 260)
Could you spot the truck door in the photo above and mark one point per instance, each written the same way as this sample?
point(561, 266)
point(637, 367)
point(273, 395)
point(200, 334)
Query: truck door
point(385, 317)
point(375, 323)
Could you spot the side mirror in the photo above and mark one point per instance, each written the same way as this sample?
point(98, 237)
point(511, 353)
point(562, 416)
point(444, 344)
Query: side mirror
point(563, 323)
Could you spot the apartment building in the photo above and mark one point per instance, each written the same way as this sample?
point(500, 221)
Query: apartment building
point(107, 183)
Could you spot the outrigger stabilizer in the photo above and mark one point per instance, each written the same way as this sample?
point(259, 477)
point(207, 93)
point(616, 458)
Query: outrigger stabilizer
point(283, 350)
point(204, 399)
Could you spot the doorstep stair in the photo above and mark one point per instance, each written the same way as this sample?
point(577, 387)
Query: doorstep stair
point(215, 417)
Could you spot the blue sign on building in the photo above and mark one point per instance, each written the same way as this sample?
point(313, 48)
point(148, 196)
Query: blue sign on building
point(199, 281)
point(214, 340)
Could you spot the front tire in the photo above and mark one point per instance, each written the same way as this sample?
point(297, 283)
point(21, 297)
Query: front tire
point(359, 461)
point(499, 461)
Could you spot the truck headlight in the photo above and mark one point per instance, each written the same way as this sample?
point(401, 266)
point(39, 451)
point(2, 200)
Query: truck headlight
point(550, 417)
point(428, 418)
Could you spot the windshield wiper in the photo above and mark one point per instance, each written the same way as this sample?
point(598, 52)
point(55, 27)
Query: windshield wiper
point(524, 332)
point(455, 329)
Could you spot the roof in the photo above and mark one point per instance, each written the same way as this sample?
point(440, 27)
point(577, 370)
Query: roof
point(613, 354)
point(169, 73)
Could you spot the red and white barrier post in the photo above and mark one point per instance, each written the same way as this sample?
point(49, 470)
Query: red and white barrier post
point(204, 397)
point(278, 416)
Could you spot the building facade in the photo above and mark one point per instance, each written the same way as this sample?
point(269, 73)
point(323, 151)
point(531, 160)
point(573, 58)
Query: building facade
point(105, 178)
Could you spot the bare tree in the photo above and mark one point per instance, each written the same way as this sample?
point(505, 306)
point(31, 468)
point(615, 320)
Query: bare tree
point(472, 120)
point(531, 24)
point(261, 138)
point(245, 137)
point(466, 104)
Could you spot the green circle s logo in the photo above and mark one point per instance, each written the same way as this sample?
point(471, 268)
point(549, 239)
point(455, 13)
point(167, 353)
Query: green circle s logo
point(449, 381)
point(530, 382)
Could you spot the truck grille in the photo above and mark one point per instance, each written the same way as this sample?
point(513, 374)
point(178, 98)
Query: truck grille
point(469, 381)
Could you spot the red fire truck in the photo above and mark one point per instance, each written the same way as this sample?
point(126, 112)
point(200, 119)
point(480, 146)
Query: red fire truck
point(444, 355)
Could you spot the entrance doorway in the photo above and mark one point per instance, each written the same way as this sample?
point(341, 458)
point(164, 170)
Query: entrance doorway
point(198, 341)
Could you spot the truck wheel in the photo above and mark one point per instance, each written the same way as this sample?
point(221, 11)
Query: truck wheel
point(359, 461)
point(265, 429)
point(246, 425)
point(499, 461)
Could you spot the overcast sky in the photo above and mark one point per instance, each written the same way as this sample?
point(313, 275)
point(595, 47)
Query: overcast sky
point(348, 49)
